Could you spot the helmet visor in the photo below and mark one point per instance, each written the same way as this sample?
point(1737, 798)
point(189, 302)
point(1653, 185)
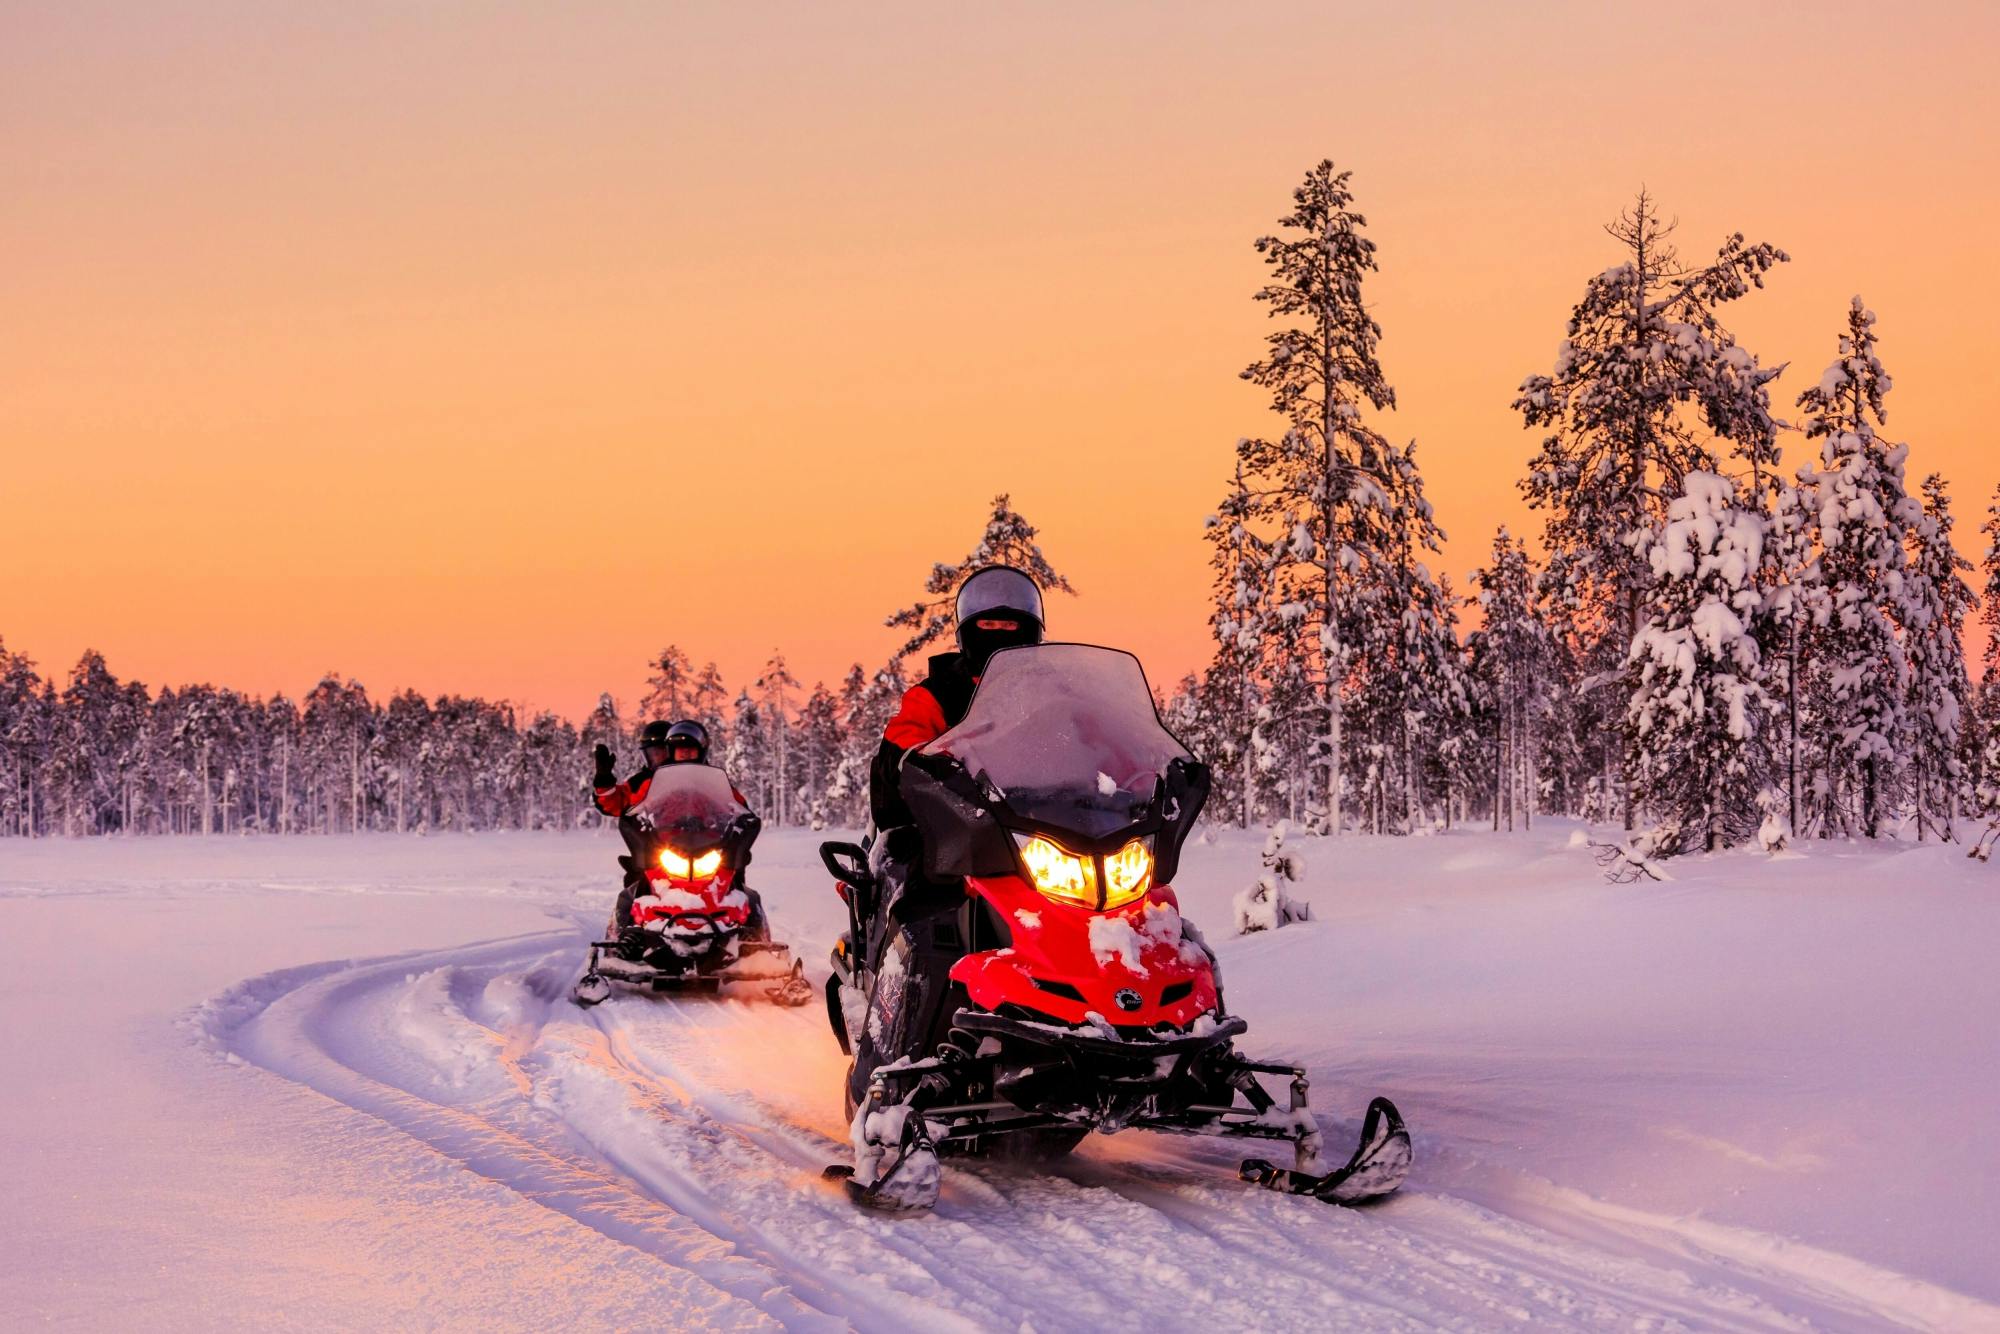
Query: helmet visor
point(688, 733)
point(999, 589)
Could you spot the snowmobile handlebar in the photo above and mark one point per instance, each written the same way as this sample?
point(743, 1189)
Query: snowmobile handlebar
point(845, 862)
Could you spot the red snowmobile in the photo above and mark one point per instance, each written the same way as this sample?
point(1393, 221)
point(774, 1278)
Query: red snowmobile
point(686, 921)
point(1033, 980)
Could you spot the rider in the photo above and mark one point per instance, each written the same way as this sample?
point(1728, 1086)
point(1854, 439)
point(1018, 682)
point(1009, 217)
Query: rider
point(684, 742)
point(998, 607)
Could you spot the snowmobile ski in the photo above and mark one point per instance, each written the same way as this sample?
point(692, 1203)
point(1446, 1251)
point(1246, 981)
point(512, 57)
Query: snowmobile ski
point(1379, 1164)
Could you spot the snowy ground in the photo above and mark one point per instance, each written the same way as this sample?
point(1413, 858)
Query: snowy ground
point(333, 1082)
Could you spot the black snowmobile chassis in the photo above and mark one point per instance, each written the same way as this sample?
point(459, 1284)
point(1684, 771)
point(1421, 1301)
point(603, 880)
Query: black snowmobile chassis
point(612, 961)
point(1132, 1102)
point(1377, 1167)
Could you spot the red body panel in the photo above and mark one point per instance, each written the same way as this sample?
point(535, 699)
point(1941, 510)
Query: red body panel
point(1138, 949)
point(681, 896)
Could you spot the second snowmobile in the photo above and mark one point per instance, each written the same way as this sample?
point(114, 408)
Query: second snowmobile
point(686, 921)
point(1033, 980)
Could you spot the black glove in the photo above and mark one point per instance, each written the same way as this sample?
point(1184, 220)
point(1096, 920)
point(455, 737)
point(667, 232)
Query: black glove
point(602, 777)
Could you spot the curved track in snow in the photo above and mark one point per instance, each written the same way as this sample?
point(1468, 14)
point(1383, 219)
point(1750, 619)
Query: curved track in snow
point(693, 1131)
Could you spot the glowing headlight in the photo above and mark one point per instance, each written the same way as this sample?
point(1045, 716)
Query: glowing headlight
point(1128, 874)
point(1058, 873)
point(673, 863)
point(708, 863)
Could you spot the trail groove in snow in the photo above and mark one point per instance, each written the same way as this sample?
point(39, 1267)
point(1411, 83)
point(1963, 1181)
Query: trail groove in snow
point(693, 1131)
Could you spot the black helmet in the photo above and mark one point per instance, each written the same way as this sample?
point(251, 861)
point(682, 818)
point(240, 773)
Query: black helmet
point(687, 733)
point(997, 593)
point(654, 734)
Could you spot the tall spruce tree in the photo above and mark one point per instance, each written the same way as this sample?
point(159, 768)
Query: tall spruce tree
point(1322, 485)
point(1648, 387)
point(1862, 517)
point(1936, 603)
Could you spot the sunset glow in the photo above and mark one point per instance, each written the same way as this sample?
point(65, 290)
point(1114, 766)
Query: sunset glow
point(489, 351)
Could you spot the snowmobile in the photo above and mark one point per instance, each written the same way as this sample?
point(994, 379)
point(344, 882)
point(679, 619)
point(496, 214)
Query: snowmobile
point(1031, 979)
point(686, 921)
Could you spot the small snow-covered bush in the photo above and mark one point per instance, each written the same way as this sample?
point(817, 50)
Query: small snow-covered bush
point(1626, 862)
point(1268, 904)
point(1775, 834)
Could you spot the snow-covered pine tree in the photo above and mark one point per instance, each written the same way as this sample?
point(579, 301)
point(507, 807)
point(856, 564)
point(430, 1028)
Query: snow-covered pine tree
point(821, 744)
point(1795, 601)
point(1229, 695)
point(1984, 778)
point(1321, 485)
point(1936, 602)
point(1009, 539)
point(669, 686)
point(337, 724)
point(708, 704)
point(747, 755)
point(281, 730)
point(1514, 660)
point(1268, 903)
point(201, 736)
point(1989, 568)
point(1647, 385)
point(1414, 663)
point(775, 688)
point(26, 723)
point(1862, 518)
point(83, 760)
point(405, 723)
point(1698, 705)
point(1285, 745)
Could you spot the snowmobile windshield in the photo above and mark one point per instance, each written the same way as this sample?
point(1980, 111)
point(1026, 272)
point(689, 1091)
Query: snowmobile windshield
point(693, 802)
point(1065, 737)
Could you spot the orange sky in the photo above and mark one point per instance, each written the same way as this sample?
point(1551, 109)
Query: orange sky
point(487, 348)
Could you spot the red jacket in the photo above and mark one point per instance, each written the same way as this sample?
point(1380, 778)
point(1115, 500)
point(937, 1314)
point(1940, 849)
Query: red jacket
point(928, 710)
point(919, 718)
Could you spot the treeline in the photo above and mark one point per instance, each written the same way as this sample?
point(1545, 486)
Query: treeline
point(1717, 646)
point(92, 754)
point(96, 755)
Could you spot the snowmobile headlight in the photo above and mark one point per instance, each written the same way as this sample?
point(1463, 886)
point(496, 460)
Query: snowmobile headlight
point(1128, 874)
point(673, 863)
point(706, 865)
point(1058, 872)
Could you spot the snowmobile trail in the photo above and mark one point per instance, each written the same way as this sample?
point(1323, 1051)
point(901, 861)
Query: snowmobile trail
point(693, 1131)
